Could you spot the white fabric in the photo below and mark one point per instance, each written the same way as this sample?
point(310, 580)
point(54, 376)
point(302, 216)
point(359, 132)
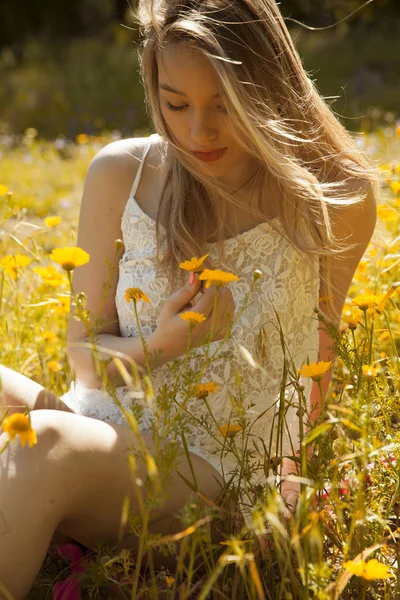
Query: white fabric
point(287, 283)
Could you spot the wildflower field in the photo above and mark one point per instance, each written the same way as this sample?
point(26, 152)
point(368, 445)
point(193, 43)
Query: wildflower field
point(343, 539)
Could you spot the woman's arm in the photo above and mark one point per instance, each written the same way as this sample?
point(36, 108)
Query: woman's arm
point(108, 346)
point(106, 189)
point(358, 223)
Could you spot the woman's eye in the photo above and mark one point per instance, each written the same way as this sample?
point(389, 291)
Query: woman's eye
point(172, 107)
point(178, 108)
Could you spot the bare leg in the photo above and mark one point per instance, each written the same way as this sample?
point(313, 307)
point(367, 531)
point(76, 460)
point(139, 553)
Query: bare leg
point(18, 392)
point(75, 481)
point(32, 504)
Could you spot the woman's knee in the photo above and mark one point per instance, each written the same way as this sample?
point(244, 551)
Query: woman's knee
point(47, 449)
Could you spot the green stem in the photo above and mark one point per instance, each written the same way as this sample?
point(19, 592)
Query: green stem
point(146, 355)
point(188, 458)
point(142, 541)
point(82, 317)
point(185, 358)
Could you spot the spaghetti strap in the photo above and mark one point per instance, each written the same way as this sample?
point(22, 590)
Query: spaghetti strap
point(139, 172)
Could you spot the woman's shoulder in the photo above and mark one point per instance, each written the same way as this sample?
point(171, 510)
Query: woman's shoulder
point(125, 153)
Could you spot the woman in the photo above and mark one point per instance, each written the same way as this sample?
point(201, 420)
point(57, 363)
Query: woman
point(283, 189)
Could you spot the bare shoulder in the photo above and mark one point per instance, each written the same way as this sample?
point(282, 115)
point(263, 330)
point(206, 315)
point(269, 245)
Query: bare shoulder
point(354, 225)
point(123, 156)
point(357, 220)
point(120, 161)
point(106, 189)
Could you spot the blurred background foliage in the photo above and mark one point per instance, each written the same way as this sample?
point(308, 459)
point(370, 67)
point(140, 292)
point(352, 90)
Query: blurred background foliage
point(70, 67)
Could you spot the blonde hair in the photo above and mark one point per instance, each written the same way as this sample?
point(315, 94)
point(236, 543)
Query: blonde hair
point(276, 115)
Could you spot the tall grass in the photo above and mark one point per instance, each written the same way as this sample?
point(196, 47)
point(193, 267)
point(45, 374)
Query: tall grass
point(349, 507)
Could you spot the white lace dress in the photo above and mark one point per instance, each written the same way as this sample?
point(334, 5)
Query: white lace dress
point(288, 284)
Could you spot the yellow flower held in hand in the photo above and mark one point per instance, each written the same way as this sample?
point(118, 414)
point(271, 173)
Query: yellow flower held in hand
point(135, 293)
point(19, 424)
point(70, 258)
point(373, 569)
point(315, 370)
point(194, 264)
point(191, 317)
point(229, 431)
point(52, 221)
point(217, 277)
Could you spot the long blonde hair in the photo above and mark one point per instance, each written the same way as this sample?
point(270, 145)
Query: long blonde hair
point(276, 115)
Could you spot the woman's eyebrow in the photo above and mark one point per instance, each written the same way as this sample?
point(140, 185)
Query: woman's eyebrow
point(168, 88)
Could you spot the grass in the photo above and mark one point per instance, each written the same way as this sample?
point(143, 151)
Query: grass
point(349, 507)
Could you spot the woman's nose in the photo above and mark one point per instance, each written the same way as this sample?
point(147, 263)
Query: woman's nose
point(203, 129)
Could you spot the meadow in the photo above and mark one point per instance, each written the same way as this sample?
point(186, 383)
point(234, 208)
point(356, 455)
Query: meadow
point(343, 540)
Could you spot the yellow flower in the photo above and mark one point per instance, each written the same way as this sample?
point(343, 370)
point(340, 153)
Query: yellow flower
point(203, 389)
point(169, 581)
point(194, 264)
point(217, 277)
point(385, 297)
point(52, 221)
point(369, 372)
point(135, 293)
point(386, 213)
point(82, 138)
point(54, 366)
point(364, 301)
point(315, 370)
point(193, 318)
point(395, 186)
point(49, 336)
point(373, 569)
point(19, 424)
point(12, 262)
point(70, 258)
point(50, 275)
point(353, 316)
point(62, 306)
point(3, 189)
point(229, 431)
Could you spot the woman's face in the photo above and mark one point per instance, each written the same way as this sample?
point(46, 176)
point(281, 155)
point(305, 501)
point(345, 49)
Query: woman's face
point(195, 115)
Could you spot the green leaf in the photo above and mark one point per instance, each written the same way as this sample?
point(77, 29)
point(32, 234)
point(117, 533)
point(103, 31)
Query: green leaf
point(310, 437)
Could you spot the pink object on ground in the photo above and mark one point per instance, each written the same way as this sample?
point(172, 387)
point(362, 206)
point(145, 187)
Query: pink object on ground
point(70, 588)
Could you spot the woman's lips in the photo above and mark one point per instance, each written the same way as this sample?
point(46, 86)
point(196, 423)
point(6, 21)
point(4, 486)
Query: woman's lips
point(209, 156)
